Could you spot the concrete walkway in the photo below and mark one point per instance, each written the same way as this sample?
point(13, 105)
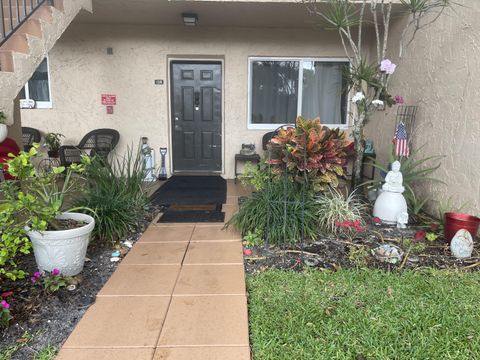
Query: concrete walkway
point(179, 294)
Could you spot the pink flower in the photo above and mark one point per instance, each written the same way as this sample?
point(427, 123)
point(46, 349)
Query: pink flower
point(37, 274)
point(399, 100)
point(33, 279)
point(55, 272)
point(434, 227)
point(376, 220)
point(5, 305)
point(387, 66)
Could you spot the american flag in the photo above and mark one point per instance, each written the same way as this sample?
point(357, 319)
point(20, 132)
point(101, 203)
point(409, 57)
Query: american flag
point(400, 141)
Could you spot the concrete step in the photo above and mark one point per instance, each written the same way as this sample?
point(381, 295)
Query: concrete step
point(6, 61)
point(18, 43)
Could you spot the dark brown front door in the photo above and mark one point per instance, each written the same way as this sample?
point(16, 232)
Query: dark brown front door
point(196, 116)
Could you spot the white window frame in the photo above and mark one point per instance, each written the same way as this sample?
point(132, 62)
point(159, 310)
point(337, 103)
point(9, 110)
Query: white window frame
point(41, 104)
point(252, 59)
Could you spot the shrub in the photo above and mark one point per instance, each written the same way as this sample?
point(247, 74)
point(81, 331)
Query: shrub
point(335, 210)
point(311, 151)
point(115, 191)
point(33, 200)
point(277, 212)
point(256, 175)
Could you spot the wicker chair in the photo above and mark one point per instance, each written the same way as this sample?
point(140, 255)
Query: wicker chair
point(97, 142)
point(30, 136)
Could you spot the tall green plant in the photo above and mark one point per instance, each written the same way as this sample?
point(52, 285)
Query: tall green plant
point(117, 193)
point(370, 81)
point(277, 212)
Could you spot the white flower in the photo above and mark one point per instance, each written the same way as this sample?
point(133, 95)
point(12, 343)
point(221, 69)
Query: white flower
point(358, 97)
point(377, 103)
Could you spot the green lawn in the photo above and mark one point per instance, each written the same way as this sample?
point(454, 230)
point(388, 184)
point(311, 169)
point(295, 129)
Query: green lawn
point(364, 314)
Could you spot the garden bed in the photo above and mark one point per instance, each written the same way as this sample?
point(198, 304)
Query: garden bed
point(338, 253)
point(43, 320)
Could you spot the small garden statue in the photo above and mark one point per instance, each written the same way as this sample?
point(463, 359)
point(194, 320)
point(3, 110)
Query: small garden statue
point(391, 203)
point(394, 179)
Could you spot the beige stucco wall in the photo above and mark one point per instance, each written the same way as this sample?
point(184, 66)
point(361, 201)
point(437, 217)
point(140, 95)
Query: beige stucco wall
point(440, 74)
point(81, 71)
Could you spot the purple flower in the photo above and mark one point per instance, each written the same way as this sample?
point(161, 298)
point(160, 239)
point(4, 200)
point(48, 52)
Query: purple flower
point(33, 279)
point(37, 274)
point(55, 272)
point(399, 99)
point(387, 66)
point(5, 305)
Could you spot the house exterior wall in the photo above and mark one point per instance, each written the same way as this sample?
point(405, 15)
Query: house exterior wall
point(81, 70)
point(440, 74)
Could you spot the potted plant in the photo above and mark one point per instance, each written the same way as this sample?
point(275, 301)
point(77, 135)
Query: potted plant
point(53, 142)
point(454, 221)
point(35, 206)
point(3, 127)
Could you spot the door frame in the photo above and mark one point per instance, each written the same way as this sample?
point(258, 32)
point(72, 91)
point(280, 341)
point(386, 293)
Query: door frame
point(194, 59)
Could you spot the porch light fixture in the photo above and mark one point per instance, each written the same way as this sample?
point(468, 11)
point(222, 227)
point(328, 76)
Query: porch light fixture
point(190, 19)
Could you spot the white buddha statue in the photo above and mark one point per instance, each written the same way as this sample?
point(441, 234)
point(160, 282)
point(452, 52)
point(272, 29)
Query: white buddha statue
point(390, 205)
point(394, 179)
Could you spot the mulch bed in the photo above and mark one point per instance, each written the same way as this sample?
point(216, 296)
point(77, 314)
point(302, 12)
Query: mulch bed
point(334, 254)
point(50, 318)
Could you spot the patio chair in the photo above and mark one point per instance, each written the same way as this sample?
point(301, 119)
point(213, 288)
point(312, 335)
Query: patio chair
point(97, 142)
point(30, 136)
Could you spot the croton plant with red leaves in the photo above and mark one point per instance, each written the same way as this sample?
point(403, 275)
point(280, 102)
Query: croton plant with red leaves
point(312, 151)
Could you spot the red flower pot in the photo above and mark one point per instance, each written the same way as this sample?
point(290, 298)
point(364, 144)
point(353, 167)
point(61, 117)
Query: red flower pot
point(457, 221)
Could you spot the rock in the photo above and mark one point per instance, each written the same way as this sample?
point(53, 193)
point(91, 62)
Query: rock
point(312, 262)
point(128, 243)
point(114, 259)
point(462, 244)
point(71, 287)
point(116, 253)
point(388, 253)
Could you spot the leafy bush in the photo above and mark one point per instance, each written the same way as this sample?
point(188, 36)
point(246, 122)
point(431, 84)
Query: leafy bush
point(116, 193)
point(255, 175)
point(334, 208)
point(311, 151)
point(277, 212)
point(33, 201)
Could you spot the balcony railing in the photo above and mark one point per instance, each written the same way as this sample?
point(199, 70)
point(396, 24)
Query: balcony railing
point(13, 13)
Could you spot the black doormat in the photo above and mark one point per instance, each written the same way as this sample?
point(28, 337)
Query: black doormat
point(187, 190)
point(173, 215)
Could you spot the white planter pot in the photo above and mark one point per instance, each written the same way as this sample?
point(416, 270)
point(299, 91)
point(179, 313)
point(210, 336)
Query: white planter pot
point(3, 132)
point(63, 249)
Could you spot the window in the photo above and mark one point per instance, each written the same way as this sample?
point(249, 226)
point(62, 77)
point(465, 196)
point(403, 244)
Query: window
point(38, 87)
point(282, 89)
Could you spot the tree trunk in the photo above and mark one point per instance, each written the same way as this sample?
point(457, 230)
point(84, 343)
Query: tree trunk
point(359, 149)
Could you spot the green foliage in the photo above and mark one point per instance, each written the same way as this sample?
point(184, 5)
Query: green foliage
point(3, 117)
point(255, 175)
point(53, 141)
point(253, 238)
point(5, 317)
point(450, 206)
point(333, 207)
point(8, 352)
point(276, 211)
point(431, 236)
point(311, 152)
point(115, 191)
point(33, 201)
point(47, 353)
point(358, 314)
point(52, 282)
